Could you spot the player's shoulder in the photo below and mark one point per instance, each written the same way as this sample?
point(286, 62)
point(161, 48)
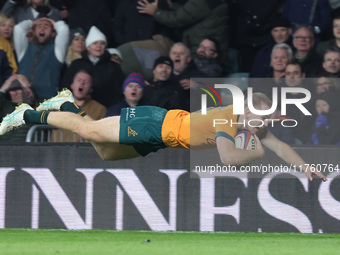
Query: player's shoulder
point(220, 110)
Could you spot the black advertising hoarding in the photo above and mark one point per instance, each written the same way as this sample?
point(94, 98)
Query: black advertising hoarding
point(69, 186)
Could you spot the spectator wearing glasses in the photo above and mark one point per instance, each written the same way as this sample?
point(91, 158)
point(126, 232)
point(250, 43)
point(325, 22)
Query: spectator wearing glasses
point(197, 19)
point(305, 54)
point(315, 14)
point(324, 83)
point(206, 59)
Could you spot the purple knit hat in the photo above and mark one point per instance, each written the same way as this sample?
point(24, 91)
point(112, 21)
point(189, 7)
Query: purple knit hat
point(134, 77)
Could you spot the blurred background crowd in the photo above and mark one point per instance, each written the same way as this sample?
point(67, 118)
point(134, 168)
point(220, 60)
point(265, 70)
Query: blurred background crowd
point(114, 54)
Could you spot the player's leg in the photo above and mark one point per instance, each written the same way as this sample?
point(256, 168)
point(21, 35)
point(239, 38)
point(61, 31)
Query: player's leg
point(103, 134)
point(101, 131)
point(114, 151)
point(106, 150)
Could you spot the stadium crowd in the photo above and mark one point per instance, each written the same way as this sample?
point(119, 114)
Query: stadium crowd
point(116, 54)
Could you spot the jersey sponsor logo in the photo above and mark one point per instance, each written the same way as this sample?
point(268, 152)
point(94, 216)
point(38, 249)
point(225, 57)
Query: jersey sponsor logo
point(131, 132)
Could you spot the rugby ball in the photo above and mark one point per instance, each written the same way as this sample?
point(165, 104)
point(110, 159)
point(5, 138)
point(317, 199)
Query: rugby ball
point(245, 140)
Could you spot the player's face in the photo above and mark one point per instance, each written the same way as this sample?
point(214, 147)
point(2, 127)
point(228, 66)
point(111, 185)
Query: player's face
point(43, 31)
point(321, 106)
point(82, 86)
point(180, 56)
point(293, 75)
point(279, 59)
point(331, 62)
point(133, 92)
point(281, 34)
point(96, 49)
point(162, 72)
point(336, 28)
point(303, 40)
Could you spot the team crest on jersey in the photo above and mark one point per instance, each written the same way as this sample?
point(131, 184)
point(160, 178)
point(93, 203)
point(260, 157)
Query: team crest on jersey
point(131, 132)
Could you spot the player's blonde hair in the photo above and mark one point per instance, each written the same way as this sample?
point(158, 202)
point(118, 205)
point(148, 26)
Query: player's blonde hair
point(258, 100)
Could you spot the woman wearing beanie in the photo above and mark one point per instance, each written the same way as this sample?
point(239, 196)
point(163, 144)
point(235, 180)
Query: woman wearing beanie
point(107, 75)
point(133, 89)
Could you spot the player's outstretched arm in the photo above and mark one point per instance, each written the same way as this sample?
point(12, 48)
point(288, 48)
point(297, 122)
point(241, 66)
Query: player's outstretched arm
point(287, 154)
point(230, 155)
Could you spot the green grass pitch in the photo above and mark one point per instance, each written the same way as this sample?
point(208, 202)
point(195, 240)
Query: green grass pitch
point(27, 241)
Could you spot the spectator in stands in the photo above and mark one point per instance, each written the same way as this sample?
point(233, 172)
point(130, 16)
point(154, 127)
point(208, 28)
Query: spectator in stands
point(62, 6)
point(133, 88)
point(281, 32)
point(281, 55)
point(332, 43)
point(184, 67)
point(314, 14)
point(77, 46)
point(206, 59)
point(198, 20)
point(331, 63)
point(324, 83)
point(184, 70)
point(7, 24)
point(87, 13)
point(294, 77)
point(325, 129)
point(303, 41)
point(15, 89)
point(115, 55)
point(5, 45)
point(250, 28)
point(41, 61)
point(5, 69)
point(139, 56)
point(107, 75)
point(164, 91)
point(32, 10)
point(130, 25)
point(335, 5)
point(81, 88)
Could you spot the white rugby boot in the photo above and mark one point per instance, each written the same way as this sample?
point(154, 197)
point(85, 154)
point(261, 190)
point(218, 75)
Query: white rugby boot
point(14, 119)
point(54, 103)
